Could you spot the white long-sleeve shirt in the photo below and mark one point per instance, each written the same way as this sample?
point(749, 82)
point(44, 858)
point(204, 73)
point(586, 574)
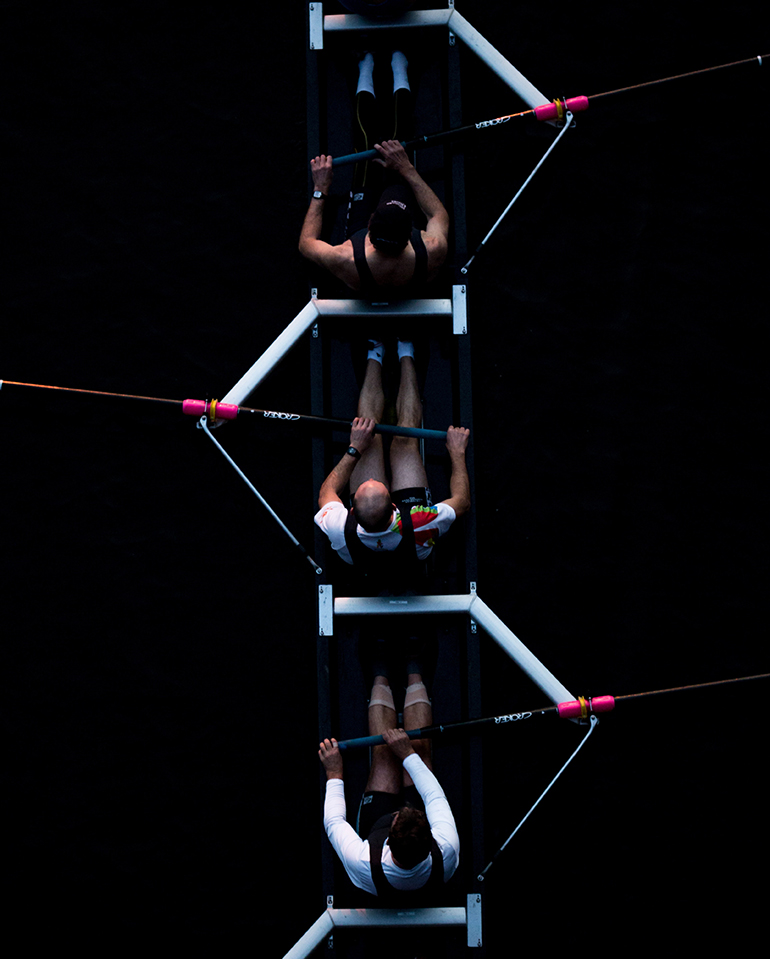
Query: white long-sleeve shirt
point(354, 851)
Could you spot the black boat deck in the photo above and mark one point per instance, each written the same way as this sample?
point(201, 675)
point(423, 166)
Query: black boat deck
point(443, 358)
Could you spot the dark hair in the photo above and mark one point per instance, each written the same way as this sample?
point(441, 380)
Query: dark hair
point(409, 838)
point(390, 227)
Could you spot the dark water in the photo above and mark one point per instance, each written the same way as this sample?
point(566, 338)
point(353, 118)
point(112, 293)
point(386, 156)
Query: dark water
point(158, 631)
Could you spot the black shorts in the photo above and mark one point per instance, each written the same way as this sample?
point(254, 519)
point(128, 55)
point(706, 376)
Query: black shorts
point(411, 496)
point(375, 805)
point(414, 496)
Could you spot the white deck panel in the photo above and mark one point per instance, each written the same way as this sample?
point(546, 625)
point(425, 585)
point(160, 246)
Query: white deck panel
point(437, 307)
point(333, 919)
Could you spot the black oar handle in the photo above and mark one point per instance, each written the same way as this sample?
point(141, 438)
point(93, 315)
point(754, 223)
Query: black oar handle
point(363, 155)
point(366, 741)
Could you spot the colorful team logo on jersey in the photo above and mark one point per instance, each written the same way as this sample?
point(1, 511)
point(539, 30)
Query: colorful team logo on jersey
point(422, 517)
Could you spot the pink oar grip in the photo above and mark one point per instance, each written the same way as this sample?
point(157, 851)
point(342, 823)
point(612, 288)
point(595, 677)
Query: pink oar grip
point(553, 111)
point(223, 411)
point(575, 709)
point(577, 104)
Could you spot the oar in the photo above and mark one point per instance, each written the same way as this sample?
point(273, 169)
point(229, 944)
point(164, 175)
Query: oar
point(384, 428)
point(431, 731)
point(548, 111)
point(215, 410)
point(580, 708)
point(430, 139)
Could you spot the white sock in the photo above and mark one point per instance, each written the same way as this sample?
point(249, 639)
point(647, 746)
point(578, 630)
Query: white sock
point(365, 74)
point(399, 63)
point(376, 352)
point(405, 348)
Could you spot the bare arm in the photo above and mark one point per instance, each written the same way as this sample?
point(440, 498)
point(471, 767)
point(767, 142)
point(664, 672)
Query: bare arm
point(321, 170)
point(457, 438)
point(309, 242)
point(333, 486)
point(310, 245)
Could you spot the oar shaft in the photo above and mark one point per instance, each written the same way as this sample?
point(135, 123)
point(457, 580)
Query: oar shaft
point(431, 731)
point(70, 389)
point(694, 686)
point(429, 139)
point(384, 428)
point(678, 76)
point(229, 411)
point(582, 708)
point(542, 113)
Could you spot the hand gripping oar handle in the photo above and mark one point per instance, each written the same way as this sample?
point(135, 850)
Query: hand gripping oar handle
point(424, 141)
point(368, 741)
point(367, 154)
point(430, 139)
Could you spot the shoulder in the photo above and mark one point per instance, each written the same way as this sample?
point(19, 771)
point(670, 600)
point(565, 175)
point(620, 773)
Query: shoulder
point(436, 246)
point(434, 239)
point(331, 515)
point(329, 255)
point(338, 259)
point(432, 515)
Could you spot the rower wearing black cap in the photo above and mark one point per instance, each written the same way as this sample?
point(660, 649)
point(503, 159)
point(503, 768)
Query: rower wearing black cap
point(391, 253)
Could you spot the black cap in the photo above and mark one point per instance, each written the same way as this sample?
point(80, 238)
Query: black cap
point(390, 227)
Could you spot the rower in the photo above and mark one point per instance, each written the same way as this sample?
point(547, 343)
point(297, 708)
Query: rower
point(398, 229)
point(406, 845)
point(385, 534)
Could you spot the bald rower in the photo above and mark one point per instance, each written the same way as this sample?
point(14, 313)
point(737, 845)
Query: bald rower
point(393, 523)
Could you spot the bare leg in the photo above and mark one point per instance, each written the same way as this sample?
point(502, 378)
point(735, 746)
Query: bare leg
point(385, 772)
point(406, 466)
point(418, 716)
point(371, 403)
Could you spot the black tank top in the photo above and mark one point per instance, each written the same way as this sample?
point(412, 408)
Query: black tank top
point(368, 285)
point(394, 569)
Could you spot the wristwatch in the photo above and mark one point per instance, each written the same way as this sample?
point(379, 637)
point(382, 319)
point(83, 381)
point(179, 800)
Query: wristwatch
point(318, 195)
point(353, 452)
